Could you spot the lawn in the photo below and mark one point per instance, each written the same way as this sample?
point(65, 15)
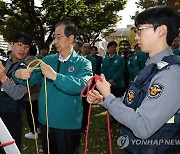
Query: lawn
point(98, 136)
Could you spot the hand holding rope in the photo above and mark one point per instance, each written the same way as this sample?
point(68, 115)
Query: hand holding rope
point(87, 87)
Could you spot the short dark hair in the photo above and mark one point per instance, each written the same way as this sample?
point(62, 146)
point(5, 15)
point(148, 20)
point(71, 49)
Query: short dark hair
point(79, 43)
point(32, 50)
point(161, 15)
point(70, 28)
point(111, 44)
point(23, 38)
point(44, 46)
point(94, 47)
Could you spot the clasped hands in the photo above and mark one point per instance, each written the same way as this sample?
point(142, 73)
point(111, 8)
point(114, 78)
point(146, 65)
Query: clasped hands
point(96, 97)
point(47, 71)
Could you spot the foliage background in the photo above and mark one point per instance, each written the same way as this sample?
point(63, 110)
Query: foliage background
point(90, 16)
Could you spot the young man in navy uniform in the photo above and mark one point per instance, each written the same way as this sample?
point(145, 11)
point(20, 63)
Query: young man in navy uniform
point(11, 93)
point(150, 109)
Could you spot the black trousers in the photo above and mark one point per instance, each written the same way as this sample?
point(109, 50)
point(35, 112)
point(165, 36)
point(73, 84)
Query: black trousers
point(61, 141)
point(13, 122)
point(118, 92)
point(85, 114)
point(35, 114)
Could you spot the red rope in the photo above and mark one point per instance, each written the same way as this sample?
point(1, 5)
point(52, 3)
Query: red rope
point(7, 143)
point(87, 129)
point(88, 86)
point(109, 132)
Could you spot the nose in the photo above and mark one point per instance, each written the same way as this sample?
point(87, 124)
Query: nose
point(55, 40)
point(22, 48)
point(137, 37)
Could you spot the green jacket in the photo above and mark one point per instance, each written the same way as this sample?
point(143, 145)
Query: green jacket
point(39, 56)
point(93, 62)
point(176, 51)
point(64, 101)
point(141, 59)
point(133, 67)
point(113, 69)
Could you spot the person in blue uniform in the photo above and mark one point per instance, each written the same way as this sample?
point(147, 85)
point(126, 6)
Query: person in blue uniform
point(150, 109)
point(12, 93)
point(66, 73)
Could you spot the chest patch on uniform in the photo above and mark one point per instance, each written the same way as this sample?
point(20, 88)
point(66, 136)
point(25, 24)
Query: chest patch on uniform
point(155, 91)
point(130, 96)
point(71, 69)
point(115, 61)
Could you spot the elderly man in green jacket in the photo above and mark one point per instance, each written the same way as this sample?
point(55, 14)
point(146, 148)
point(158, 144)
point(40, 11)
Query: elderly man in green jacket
point(66, 73)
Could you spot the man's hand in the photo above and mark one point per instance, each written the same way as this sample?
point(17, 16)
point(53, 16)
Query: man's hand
point(103, 86)
point(94, 97)
point(23, 73)
point(3, 77)
point(48, 71)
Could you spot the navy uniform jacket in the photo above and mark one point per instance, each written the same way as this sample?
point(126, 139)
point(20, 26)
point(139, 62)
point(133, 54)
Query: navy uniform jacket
point(11, 93)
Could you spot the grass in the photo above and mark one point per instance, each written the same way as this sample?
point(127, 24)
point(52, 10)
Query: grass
point(98, 136)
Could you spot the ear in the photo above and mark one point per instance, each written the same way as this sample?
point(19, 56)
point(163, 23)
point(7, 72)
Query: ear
point(162, 30)
point(71, 38)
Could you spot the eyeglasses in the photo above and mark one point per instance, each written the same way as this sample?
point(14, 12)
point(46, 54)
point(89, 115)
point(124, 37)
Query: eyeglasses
point(139, 29)
point(58, 36)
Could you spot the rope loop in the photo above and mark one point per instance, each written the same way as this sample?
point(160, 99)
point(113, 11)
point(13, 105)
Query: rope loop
point(89, 84)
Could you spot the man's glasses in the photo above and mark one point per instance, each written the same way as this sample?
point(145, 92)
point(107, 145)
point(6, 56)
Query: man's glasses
point(58, 36)
point(139, 29)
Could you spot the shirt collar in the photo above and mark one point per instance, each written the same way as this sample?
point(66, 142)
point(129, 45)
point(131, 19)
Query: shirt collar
point(112, 56)
point(158, 57)
point(64, 59)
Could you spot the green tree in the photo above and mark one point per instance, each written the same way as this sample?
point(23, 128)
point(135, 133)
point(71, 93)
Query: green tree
point(144, 4)
point(90, 16)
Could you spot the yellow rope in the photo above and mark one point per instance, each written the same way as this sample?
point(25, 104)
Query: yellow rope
point(45, 89)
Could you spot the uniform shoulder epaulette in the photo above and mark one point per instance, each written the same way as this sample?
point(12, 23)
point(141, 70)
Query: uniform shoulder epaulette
point(172, 59)
point(168, 60)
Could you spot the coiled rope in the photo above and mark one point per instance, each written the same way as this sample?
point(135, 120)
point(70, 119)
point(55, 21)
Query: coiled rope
point(29, 94)
point(87, 87)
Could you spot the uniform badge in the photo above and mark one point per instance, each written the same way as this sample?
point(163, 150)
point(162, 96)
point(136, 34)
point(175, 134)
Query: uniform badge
point(130, 96)
point(71, 69)
point(155, 91)
point(115, 61)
